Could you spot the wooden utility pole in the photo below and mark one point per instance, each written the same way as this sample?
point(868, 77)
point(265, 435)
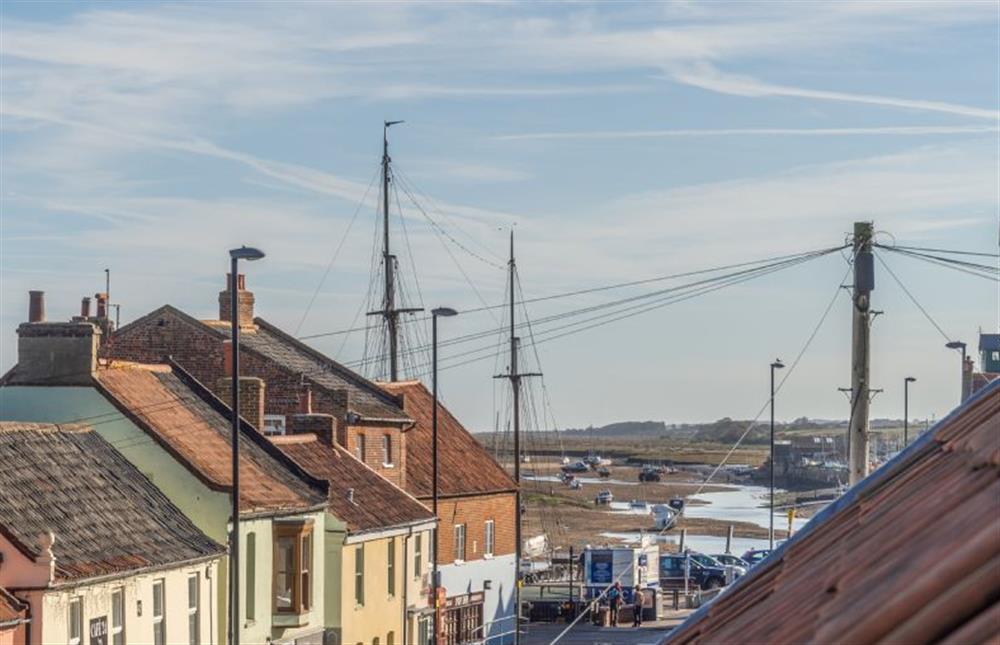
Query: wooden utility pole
point(864, 283)
point(514, 376)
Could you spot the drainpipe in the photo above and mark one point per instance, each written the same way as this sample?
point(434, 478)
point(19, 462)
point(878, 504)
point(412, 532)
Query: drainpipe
point(406, 583)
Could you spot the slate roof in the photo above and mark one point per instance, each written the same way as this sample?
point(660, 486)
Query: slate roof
point(194, 426)
point(366, 398)
point(909, 555)
point(107, 517)
point(378, 503)
point(464, 465)
point(989, 342)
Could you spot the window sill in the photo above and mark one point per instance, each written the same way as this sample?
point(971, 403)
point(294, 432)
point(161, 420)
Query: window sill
point(487, 556)
point(291, 619)
point(385, 465)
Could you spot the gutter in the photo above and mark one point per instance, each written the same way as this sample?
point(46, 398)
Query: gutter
point(354, 537)
point(79, 582)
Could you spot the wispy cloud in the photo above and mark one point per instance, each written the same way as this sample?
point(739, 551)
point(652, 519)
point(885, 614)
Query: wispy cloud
point(706, 77)
point(926, 130)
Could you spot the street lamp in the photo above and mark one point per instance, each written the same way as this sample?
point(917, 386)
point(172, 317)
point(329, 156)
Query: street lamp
point(235, 255)
point(776, 365)
point(435, 313)
point(957, 344)
point(906, 409)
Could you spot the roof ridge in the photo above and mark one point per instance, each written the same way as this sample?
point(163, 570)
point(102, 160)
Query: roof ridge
point(345, 372)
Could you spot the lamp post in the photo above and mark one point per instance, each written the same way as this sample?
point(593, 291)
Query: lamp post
point(906, 409)
point(435, 313)
point(235, 255)
point(957, 344)
point(776, 365)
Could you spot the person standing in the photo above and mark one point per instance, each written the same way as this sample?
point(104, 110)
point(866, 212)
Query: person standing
point(615, 602)
point(637, 606)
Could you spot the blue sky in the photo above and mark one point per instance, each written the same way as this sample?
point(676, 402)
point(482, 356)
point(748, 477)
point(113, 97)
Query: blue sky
point(622, 141)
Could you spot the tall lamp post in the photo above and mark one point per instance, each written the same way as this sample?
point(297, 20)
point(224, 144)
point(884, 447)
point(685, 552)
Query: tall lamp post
point(957, 344)
point(435, 313)
point(776, 365)
point(235, 255)
point(906, 409)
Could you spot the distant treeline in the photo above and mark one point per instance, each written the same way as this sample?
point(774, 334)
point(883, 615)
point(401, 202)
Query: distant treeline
point(726, 430)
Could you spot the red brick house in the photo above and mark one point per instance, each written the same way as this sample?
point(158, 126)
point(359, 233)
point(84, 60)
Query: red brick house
point(371, 423)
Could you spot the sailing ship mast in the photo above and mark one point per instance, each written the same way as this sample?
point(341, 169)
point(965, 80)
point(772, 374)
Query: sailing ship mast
point(389, 312)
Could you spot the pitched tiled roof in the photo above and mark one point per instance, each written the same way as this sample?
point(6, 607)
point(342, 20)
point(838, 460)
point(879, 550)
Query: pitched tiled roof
point(909, 555)
point(377, 502)
point(464, 465)
point(12, 610)
point(186, 423)
point(107, 517)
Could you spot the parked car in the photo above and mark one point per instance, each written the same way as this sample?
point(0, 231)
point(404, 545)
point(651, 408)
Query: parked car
point(649, 474)
point(732, 560)
point(755, 556)
point(699, 575)
point(576, 467)
point(604, 497)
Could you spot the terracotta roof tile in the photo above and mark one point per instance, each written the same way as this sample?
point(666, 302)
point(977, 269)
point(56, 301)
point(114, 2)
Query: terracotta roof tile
point(464, 465)
point(107, 517)
point(195, 431)
point(909, 555)
point(377, 503)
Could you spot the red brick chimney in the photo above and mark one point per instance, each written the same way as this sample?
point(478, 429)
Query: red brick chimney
point(36, 306)
point(85, 308)
point(305, 399)
point(324, 426)
point(252, 391)
point(244, 301)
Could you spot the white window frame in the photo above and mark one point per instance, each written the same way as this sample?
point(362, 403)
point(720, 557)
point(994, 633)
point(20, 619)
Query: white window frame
point(118, 630)
point(359, 447)
point(489, 538)
point(387, 451)
point(418, 554)
point(456, 540)
point(76, 602)
point(194, 612)
point(160, 621)
point(274, 425)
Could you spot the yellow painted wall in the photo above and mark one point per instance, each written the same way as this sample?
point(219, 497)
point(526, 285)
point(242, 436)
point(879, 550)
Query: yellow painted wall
point(381, 615)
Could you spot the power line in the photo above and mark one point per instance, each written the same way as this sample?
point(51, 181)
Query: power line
point(932, 250)
point(912, 298)
point(608, 287)
point(336, 253)
point(660, 293)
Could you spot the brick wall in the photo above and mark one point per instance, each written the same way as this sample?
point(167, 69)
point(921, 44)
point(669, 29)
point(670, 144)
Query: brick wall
point(473, 512)
point(253, 392)
point(394, 472)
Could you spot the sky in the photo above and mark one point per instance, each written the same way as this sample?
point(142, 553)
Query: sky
point(620, 141)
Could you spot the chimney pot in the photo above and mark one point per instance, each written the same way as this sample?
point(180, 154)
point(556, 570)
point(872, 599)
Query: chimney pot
point(102, 304)
point(85, 308)
point(36, 306)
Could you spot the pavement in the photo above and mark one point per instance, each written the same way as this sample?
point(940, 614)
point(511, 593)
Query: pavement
point(584, 633)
